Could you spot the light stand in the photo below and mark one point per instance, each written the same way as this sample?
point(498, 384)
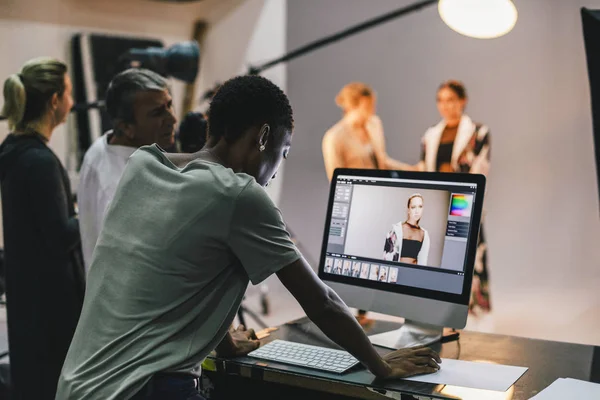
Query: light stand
point(353, 30)
point(591, 36)
point(245, 310)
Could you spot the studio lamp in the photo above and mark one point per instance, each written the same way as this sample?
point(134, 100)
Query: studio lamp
point(179, 61)
point(481, 19)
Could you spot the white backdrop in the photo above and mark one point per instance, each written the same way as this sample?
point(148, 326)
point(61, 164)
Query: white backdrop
point(530, 87)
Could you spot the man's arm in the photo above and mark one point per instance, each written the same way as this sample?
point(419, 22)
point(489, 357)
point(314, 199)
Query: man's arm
point(331, 154)
point(324, 307)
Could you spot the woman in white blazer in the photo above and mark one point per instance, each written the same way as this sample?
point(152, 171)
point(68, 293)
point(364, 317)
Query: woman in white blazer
point(407, 242)
point(457, 144)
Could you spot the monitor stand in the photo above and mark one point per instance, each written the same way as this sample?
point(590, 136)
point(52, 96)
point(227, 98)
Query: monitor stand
point(411, 334)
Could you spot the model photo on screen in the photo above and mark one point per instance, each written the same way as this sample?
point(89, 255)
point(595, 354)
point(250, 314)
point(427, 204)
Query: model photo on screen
point(374, 272)
point(356, 269)
point(364, 273)
point(346, 268)
point(383, 273)
point(398, 225)
point(408, 242)
point(337, 267)
point(328, 265)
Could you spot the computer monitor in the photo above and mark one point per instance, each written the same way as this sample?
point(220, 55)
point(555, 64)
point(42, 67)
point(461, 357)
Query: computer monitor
point(403, 244)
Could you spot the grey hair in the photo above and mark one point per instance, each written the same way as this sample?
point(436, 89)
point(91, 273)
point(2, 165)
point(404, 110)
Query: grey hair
point(123, 88)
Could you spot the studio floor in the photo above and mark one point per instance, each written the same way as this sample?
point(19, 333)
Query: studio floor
point(523, 314)
point(517, 316)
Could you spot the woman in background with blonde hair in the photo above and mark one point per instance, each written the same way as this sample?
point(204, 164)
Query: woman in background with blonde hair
point(357, 140)
point(44, 270)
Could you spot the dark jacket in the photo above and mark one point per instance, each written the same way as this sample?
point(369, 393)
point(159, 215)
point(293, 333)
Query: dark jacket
point(45, 282)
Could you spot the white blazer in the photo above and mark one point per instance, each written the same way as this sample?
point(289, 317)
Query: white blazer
point(431, 140)
point(423, 255)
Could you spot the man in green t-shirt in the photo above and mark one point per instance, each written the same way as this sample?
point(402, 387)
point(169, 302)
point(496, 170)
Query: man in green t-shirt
point(182, 238)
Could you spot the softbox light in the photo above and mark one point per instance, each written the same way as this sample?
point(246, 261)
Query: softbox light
point(591, 35)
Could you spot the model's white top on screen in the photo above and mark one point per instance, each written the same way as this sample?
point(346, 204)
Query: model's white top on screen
point(423, 254)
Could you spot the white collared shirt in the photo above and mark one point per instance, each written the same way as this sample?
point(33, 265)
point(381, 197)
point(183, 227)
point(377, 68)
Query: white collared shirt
point(100, 173)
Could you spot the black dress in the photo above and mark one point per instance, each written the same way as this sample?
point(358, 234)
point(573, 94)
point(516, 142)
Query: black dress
point(45, 282)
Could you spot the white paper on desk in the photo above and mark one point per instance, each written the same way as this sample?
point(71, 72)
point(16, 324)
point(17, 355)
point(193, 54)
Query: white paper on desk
point(471, 374)
point(569, 389)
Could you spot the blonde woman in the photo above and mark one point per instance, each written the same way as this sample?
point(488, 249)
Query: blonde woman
point(44, 268)
point(357, 140)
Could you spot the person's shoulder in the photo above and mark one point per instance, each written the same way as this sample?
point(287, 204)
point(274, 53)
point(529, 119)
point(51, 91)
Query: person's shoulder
point(222, 182)
point(432, 129)
point(146, 155)
point(251, 195)
point(337, 129)
point(95, 152)
point(335, 133)
point(375, 119)
point(38, 157)
point(482, 130)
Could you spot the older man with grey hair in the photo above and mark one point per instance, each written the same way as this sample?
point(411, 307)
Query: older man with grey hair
point(140, 106)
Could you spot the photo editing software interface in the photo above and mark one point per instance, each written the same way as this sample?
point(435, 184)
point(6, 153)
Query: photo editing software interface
point(400, 232)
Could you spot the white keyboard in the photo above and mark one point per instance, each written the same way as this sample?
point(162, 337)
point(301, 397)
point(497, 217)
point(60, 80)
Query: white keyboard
point(304, 355)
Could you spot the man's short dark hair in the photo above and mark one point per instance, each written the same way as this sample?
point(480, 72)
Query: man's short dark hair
point(123, 87)
point(247, 101)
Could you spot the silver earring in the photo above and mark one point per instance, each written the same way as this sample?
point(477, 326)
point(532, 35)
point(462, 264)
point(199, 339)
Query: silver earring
point(261, 148)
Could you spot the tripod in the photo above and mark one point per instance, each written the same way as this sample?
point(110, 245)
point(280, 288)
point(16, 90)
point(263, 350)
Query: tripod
point(244, 310)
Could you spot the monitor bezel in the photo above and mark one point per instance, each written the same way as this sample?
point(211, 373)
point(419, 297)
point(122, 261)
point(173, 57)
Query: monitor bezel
point(464, 296)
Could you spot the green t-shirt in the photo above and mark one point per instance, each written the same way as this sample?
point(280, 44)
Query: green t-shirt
point(169, 272)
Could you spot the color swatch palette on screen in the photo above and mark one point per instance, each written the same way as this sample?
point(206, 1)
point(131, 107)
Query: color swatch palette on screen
point(461, 205)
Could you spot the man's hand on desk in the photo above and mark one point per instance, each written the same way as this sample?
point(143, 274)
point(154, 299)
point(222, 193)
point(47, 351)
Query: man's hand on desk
point(238, 342)
point(412, 361)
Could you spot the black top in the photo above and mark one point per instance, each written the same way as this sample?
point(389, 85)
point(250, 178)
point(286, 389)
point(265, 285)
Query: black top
point(45, 281)
point(444, 155)
point(410, 248)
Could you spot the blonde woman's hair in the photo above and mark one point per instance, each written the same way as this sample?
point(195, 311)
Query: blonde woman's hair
point(27, 94)
point(351, 94)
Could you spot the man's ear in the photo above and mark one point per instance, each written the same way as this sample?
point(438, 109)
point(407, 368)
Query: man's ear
point(126, 129)
point(264, 136)
point(54, 102)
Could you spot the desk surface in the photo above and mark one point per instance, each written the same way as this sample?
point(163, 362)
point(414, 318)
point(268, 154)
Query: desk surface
point(546, 360)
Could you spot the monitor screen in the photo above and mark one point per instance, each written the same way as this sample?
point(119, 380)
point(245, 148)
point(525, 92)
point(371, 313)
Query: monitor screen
point(402, 233)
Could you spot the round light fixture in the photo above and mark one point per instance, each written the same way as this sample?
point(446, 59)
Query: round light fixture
point(481, 19)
